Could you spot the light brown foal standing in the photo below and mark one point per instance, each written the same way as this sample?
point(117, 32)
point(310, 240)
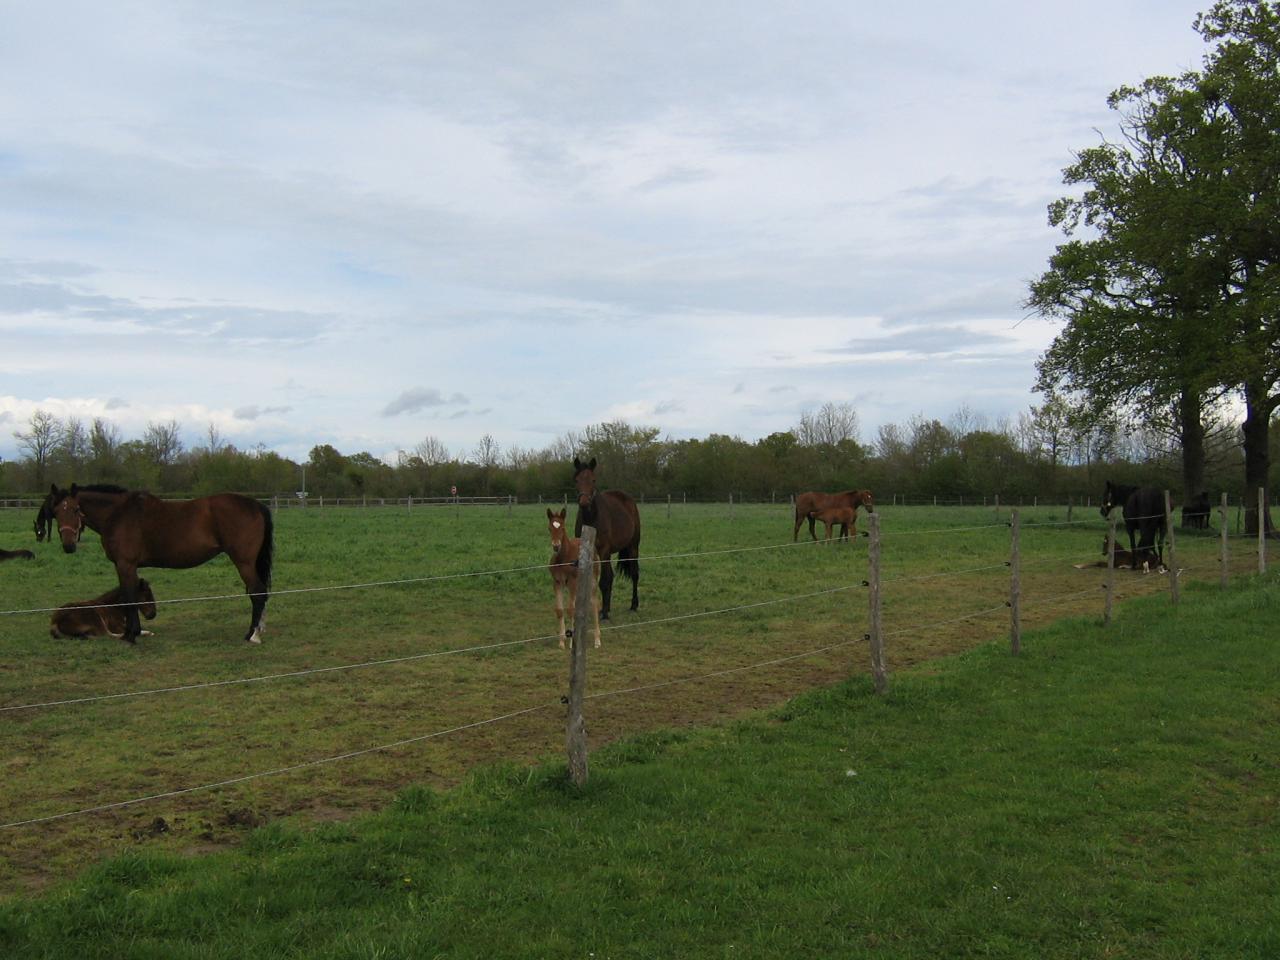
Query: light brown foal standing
point(564, 573)
point(845, 517)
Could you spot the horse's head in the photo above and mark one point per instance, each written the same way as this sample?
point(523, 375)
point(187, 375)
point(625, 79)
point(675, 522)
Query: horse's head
point(584, 478)
point(864, 499)
point(70, 520)
point(146, 600)
point(555, 525)
point(1108, 499)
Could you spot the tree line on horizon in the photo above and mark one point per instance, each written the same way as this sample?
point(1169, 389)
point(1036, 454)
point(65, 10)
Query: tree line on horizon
point(1052, 451)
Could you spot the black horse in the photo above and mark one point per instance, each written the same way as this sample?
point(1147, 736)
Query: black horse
point(44, 518)
point(1143, 511)
point(617, 521)
point(1195, 512)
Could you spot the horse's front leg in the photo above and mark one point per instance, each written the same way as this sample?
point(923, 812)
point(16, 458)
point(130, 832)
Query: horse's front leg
point(559, 612)
point(606, 586)
point(129, 602)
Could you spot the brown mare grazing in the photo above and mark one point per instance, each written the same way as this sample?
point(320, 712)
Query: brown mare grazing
point(17, 555)
point(809, 505)
point(617, 522)
point(846, 517)
point(564, 573)
point(139, 530)
point(101, 616)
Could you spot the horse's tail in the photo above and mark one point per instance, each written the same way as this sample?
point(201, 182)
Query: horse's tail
point(267, 551)
point(629, 564)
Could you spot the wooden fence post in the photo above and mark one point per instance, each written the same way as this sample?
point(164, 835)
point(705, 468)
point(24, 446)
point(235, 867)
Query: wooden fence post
point(1070, 504)
point(1111, 567)
point(575, 728)
point(1173, 550)
point(879, 675)
point(668, 506)
point(1015, 586)
point(731, 507)
point(997, 504)
point(1222, 535)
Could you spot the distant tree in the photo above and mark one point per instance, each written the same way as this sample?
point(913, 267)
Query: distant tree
point(39, 440)
point(830, 424)
point(104, 450)
point(162, 442)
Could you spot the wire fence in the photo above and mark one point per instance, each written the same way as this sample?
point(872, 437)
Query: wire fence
point(1203, 550)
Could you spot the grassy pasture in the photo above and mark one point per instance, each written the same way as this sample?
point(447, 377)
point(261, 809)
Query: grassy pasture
point(65, 758)
point(1109, 794)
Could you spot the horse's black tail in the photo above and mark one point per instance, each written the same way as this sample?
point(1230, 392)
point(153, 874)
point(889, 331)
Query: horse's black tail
point(629, 565)
point(267, 551)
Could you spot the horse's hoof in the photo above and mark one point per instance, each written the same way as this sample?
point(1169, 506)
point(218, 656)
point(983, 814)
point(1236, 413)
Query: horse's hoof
point(568, 634)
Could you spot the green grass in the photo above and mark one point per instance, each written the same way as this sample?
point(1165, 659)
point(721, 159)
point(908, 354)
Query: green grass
point(62, 759)
point(1110, 793)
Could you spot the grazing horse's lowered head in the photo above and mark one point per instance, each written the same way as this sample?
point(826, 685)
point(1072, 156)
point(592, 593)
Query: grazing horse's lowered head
point(44, 517)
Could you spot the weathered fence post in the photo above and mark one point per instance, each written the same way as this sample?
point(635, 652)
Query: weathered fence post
point(668, 506)
point(575, 728)
point(1262, 531)
point(731, 507)
point(511, 502)
point(1015, 585)
point(1111, 567)
point(879, 675)
point(1222, 535)
point(997, 504)
point(1070, 504)
point(1173, 550)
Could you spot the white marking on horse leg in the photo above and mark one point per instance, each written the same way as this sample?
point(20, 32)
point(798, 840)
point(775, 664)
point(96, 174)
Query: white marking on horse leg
point(254, 637)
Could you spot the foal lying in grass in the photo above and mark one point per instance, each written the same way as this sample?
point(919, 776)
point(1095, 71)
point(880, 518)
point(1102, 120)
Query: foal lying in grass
point(101, 616)
point(564, 573)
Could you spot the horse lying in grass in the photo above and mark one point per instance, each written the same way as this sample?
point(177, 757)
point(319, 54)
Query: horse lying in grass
point(1123, 557)
point(563, 566)
point(101, 616)
point(17, 555)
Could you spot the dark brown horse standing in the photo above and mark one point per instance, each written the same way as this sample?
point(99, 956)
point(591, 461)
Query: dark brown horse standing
point(139, 530)
point(812, 503)
point(617, 521)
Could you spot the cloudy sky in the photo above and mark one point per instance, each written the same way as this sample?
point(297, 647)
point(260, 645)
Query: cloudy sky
point(366, 223)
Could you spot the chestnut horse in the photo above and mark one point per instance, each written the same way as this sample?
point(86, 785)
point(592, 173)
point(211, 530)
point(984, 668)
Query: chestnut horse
point(563, 566)
point(617, 521)
point(845, 517)
point(139, 530)
point(809, 505)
